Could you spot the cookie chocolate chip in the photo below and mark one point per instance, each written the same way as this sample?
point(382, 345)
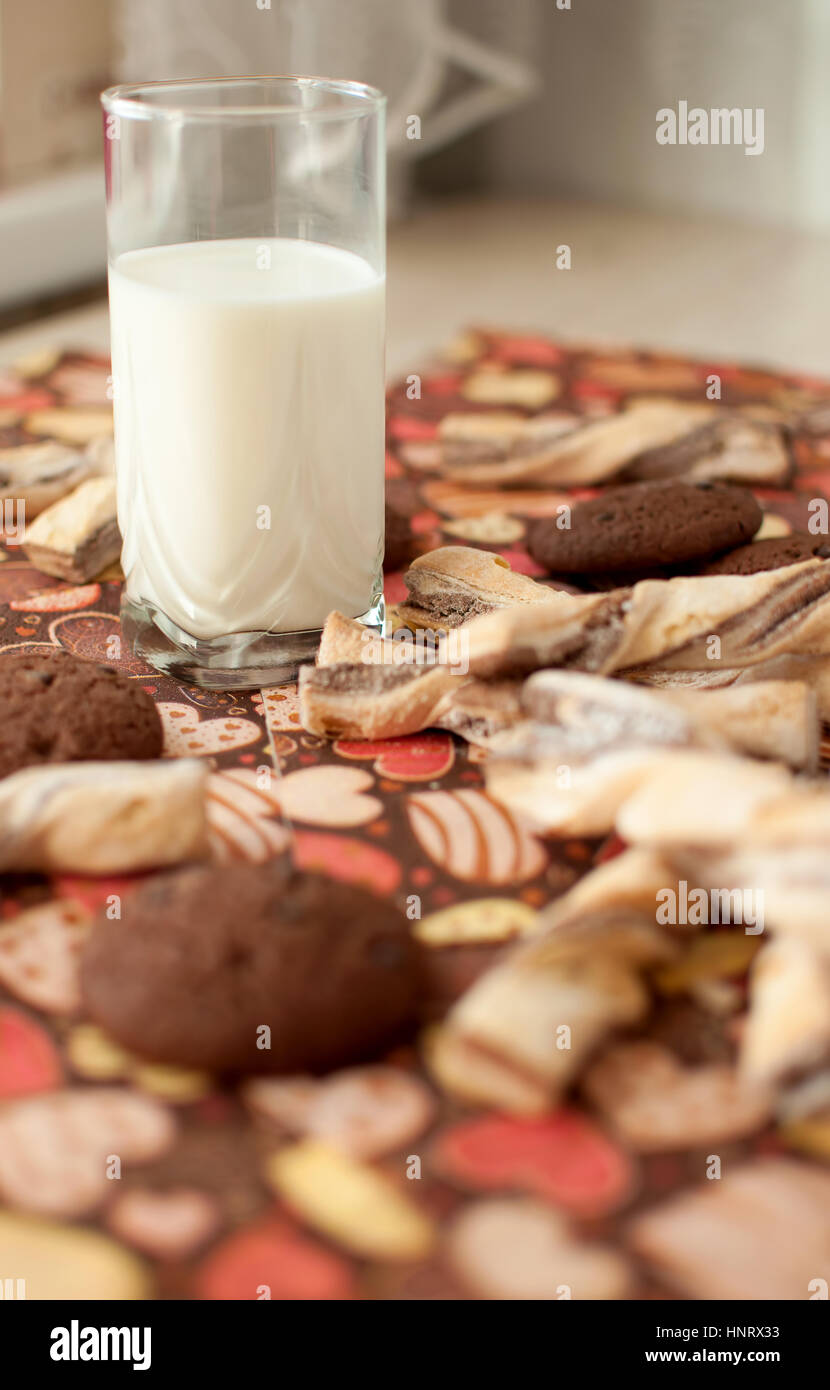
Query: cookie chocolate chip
point(56, 708)
point(646, 524)
point(207, 958)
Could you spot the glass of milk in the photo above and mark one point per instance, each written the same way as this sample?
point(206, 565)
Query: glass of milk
point(247, 302)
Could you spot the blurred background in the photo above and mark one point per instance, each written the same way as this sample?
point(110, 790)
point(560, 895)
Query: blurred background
point(536, 129)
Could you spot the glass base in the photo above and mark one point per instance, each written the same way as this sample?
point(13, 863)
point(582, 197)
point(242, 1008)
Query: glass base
point(238, 661)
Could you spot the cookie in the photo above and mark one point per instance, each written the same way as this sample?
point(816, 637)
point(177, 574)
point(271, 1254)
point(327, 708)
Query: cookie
point(666, 624)
point(103, 817)
point(401, 505)
point(478, 709)
point(362, 701)
point(40, 474)
point(252, 968)
point(552, 450)
point(449, 585)
point(398, 546)
point(583, 975)
point(730, 447)
point(646, 524)
point(787, 1029)
point(657, 1105)
point(56, 708)
point(771, 554)
point(609, 738)
point(77, 537)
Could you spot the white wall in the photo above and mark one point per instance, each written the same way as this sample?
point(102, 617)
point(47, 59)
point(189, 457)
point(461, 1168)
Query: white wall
point(609, 65)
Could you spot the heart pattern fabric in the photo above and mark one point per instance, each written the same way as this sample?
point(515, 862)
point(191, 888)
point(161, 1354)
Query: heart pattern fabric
point(372, 1182)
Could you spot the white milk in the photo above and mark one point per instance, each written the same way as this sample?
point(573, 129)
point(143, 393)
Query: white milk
point(248, 382)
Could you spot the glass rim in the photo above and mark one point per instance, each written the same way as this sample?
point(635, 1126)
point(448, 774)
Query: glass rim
point(129, 99)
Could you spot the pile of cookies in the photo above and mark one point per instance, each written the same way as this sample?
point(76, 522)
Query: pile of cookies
point(660, 683)
point(84, 788)
point(595, 715)
point(596, 1096)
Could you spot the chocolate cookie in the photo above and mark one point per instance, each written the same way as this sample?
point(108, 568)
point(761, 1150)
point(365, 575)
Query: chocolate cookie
point(402, 502)
point(56, 708)
point(207, 960)
point(771, 554)
point(646, 524)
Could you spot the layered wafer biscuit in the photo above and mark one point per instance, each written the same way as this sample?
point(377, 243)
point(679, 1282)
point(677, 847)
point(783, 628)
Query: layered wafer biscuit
point(719, 621)
point(360, 700)
point(731, 447)
point(103, 818)
point(40, 474)
point(543, 452)
point(76, 537)
point(450, 585)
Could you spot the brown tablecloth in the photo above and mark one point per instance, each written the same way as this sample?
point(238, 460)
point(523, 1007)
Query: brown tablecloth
point(201, 1214)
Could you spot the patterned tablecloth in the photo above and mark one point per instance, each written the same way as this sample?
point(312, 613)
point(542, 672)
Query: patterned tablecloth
point(197, 1210)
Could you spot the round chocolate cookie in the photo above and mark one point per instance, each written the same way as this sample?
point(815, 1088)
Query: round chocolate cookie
point(771, 554)
point(208, 959)
point(646, 524)
point(56, 708)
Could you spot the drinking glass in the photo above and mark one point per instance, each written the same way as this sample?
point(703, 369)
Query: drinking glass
point(246, 235)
